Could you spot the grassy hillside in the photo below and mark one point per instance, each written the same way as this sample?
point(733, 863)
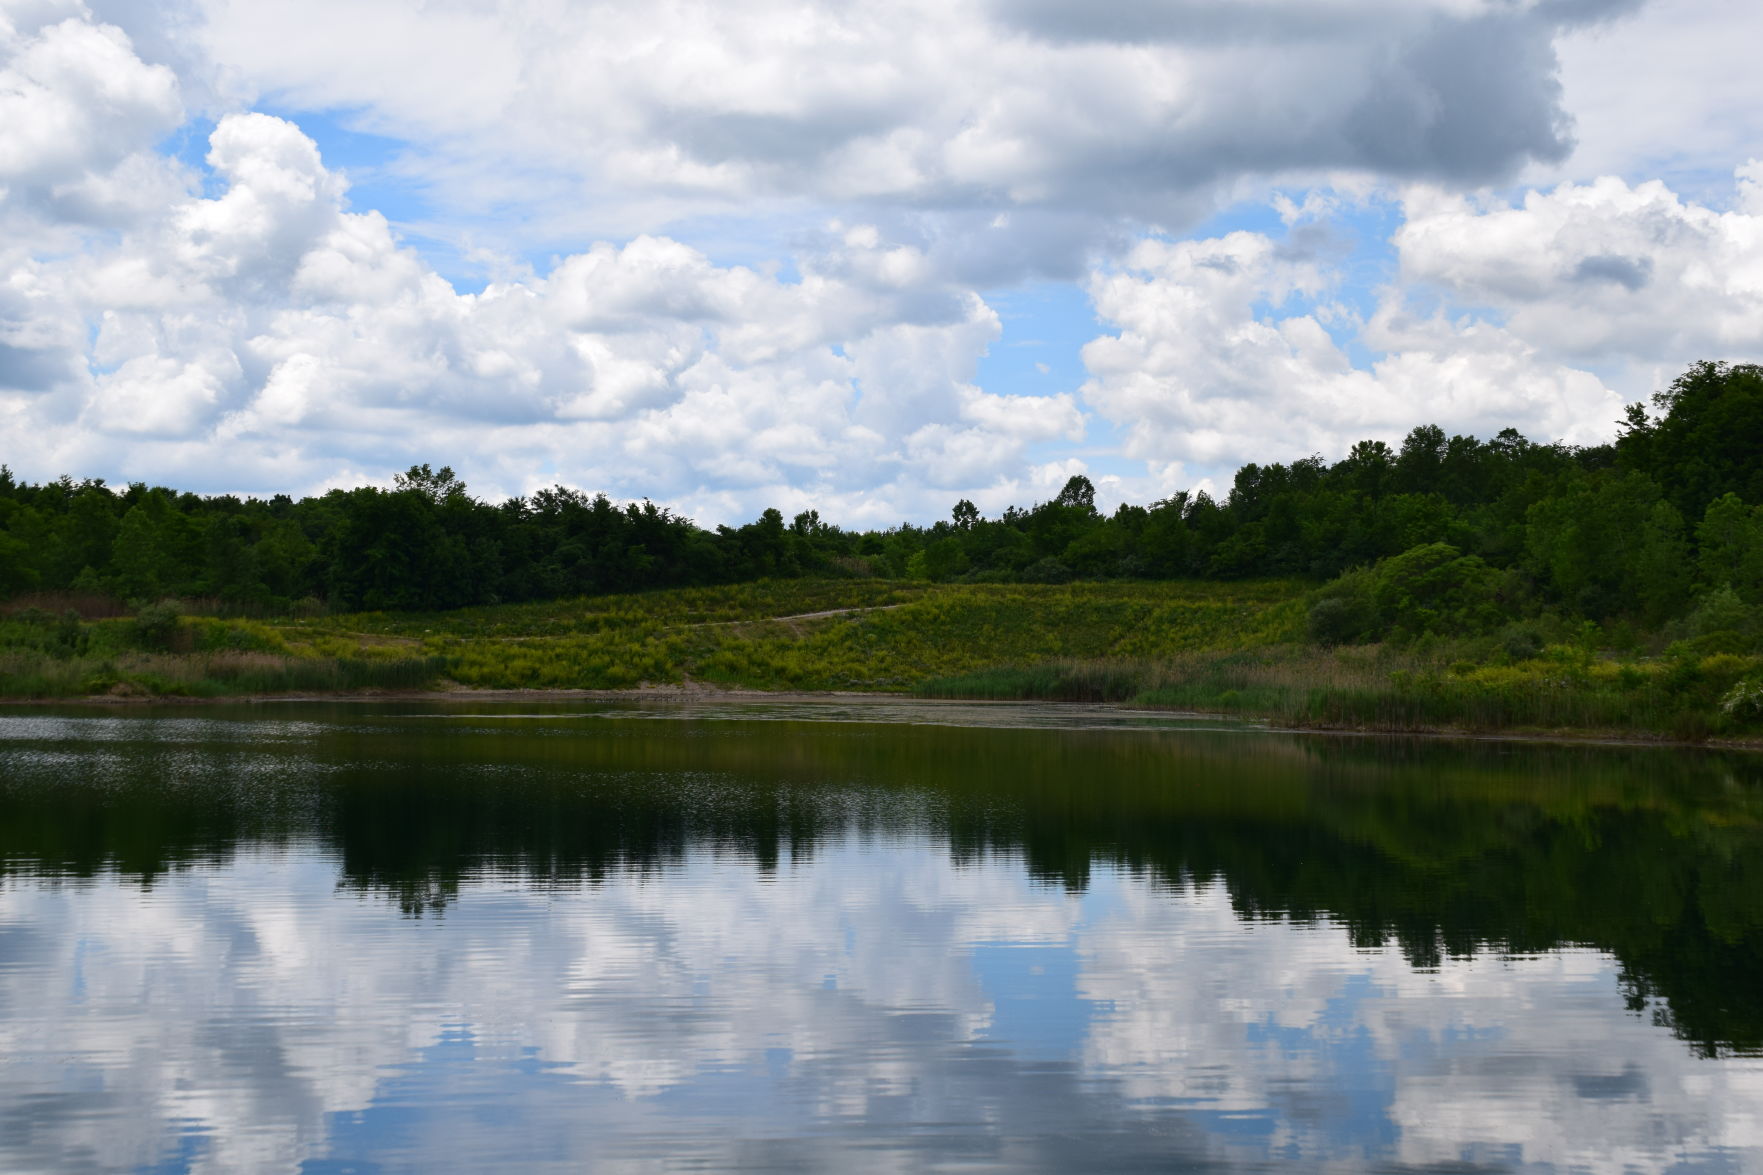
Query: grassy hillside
point(1236, 648)
point(791, 634)
point(805, 635)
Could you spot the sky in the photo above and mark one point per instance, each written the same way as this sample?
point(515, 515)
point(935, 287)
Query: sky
point(865, 259)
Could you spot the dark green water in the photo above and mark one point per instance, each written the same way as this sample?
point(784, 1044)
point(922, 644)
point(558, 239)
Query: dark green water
point(876, 937)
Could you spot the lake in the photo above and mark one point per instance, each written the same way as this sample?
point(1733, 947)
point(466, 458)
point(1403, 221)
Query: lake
point(865, 936)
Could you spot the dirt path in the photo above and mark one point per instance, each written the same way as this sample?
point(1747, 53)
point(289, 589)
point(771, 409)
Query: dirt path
point(792, 619)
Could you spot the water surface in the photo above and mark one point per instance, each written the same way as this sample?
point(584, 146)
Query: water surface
point(865, 937)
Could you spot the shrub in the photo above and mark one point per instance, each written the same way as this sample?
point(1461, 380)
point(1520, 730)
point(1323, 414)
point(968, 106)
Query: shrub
point(1430, 589)
point(1344, 610)
point(1437, 588)
point(1721, 611)
point(1743, 702)
point(156, 625)
point(1520, 641)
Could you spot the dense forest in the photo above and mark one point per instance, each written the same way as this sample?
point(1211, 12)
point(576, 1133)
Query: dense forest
point(1442, 532)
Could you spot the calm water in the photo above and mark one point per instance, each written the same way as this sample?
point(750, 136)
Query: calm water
point(878, 937)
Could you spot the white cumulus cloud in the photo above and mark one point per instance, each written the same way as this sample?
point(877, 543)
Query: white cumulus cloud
point(1604, 270)
point(277, 330)
point(1207, 370)
point(635, 111)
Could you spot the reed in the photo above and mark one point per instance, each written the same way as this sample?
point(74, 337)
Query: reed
point(1392, 689)
point(206, 675)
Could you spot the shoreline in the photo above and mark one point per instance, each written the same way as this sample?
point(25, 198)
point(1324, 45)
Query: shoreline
point(697, 693)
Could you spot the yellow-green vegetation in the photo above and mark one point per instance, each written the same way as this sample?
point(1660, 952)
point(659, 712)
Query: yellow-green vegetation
point(809, 635)
point(865, 635)
point(593, 615)
point(1240, 648)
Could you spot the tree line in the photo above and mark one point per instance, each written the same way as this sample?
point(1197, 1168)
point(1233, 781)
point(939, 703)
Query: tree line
point(1442, 530)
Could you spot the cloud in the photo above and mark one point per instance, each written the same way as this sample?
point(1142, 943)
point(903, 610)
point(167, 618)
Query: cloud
point(1673, 92)
point(290, 338)
point(1131, 109)
point(1543, 315)
point(1213, 364)
point(75, 101)
point(1603, 271)
point(1278, 21)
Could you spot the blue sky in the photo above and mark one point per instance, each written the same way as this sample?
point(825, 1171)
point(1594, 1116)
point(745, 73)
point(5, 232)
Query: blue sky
point(805, 255)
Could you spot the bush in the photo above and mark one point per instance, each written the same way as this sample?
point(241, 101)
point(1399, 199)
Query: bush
point(1521, 642)
point(1437, 588)
point(1743, 702)
point(1048, 570)
point(156, 625)
point(34, 628)
point(1344, 610)
point(1721, 611)
point(1430, 589)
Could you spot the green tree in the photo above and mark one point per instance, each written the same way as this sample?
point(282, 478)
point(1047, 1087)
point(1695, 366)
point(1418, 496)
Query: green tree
point(284, 557)
point(1419, 466)
point(153, 552)
point(1366, 469)
point(16, 573)
point(22, 534)
point(1098, 552)
point(940, 561)
point(1707, 437)
point(1078, 494)
point(766, 546)
point(1164, 542)
point(1730, 543)
point(437, 486)
point(1610, 545)
point(83, 535)
point(390, 552)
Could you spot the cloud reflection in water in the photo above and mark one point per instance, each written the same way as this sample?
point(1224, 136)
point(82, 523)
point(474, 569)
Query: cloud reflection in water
point(880, 1005)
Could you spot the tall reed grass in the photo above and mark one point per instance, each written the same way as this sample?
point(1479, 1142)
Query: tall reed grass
point(85, 605)
point(1379, 688)
point(206, 675)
